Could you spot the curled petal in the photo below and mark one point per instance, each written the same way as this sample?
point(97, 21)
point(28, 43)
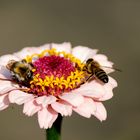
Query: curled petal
point(92, 89)
point(66, 47)
point(87, 108)
point(54, 116)
point(72, 98)
point(83, 53)
point(19, 97)
point(45, 100)
point(30, 108)
point(63, 108)
point(46, 118)
point(100, 112)
point(4, 102)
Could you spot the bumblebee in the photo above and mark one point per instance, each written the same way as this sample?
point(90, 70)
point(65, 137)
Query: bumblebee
point(93, 68)
point(21, 71)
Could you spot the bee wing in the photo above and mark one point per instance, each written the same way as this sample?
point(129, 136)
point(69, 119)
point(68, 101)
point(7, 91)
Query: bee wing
point(111, 68)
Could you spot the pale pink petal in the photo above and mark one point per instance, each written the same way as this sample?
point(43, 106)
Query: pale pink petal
point(108, 87)
point(6, 58)
point(87, 108)
point(40, 50)
point(45, 100)
point(91, 89)
point(66, 47)
point(63, 108)
point(44, 47)
point(4, 102)
point(31, 50)
point(108, 93)
point(83, 53)
point(30, 108)
point(113, 82)
point(4, 73)
point(46, 118)
point(26, 51)
point(72, 98)
point(100, 57)
point(19, 97)
point(100, 112)
point(54, 116)
point(6, 86)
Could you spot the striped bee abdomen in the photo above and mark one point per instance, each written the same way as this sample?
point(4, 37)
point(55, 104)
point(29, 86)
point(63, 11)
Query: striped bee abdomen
point(101, 75)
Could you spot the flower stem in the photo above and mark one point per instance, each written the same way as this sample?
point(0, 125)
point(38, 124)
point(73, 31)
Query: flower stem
point(54, 133)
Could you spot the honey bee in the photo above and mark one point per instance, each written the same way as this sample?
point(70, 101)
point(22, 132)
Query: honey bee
point(21, 71)
point(93, 68)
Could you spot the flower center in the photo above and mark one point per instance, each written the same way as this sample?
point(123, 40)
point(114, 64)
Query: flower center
point(53, 66)
point(55, 72)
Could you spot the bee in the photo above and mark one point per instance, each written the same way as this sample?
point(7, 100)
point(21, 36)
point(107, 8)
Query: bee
point(21, 71)
point(93, 68)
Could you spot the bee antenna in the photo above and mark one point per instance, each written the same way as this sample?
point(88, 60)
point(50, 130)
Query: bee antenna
point(117, 69)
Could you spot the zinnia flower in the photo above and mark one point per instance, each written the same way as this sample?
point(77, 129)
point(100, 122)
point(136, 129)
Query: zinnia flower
point(58, 85)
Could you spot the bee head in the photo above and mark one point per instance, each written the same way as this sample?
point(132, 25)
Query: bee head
point(89, 61)
point(10, 64)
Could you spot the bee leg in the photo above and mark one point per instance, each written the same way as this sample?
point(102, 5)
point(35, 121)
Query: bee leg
point(14, 77)
point(25, 90)
point(89, 77)
point(84, 68)
point(84, 81)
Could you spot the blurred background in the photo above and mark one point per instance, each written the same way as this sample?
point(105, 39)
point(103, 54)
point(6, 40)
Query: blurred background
point(112, 26)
